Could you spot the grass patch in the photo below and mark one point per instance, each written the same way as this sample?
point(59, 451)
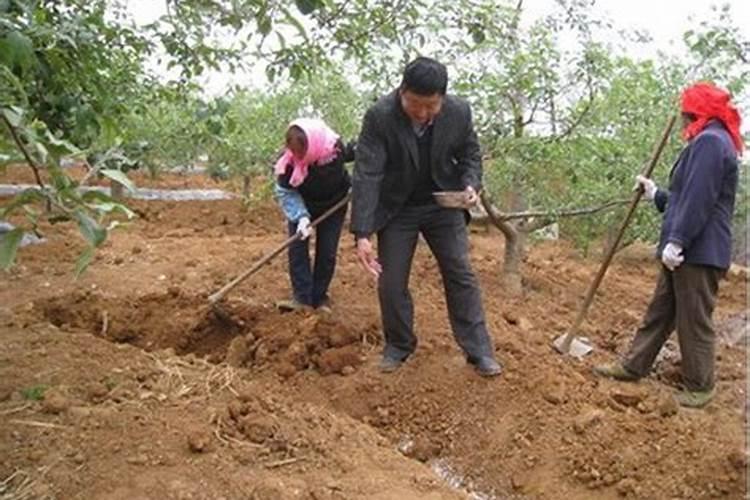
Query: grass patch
point(34, 393)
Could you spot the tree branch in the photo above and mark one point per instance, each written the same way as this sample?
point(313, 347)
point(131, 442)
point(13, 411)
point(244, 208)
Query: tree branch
point(579, 119)
point(498, 218)
point(24, 151)
point(508, 230)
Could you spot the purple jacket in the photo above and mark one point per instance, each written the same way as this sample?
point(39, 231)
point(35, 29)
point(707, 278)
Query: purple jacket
point(700, 202)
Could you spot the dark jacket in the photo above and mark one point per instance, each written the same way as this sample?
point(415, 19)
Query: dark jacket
point(325, 184)
point(700, 202)
point(387, 159)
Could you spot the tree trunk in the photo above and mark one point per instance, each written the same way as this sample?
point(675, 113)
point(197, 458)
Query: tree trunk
point(515, 241)
point(246, 187)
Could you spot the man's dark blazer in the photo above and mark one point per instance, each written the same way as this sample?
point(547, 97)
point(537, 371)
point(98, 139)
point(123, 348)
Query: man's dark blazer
point(387, 162)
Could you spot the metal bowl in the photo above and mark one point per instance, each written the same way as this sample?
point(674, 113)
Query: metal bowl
point(451, 199)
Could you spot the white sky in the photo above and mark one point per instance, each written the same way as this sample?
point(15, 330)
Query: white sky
point(665, 21)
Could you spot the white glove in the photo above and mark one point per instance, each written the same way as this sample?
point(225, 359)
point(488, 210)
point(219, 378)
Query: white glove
point(672, 256)
point(304, 229)
point(471, 198)
point(649, 186)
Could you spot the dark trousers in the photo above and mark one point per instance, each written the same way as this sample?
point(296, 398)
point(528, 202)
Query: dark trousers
point(310, 283)
point(445, 232)
point(685, 299)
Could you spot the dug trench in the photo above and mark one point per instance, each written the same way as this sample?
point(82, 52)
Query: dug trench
point(241, 335)
point(143, 378)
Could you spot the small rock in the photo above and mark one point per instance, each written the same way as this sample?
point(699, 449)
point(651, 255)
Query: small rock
point(738, 459)
point(236, 410)
point(237, 352)
point(96, 391)
point(137, 459)
point(423, 450)
point(198, 440)
point(348, 370)
point(256, 430)
point(667, 406)
point(555, 395)
point(627, 486)
point(524, 324)
point(54, 402)
point(586, 419)
point(627, 396)
point(78, 413)
point(286, 370)
point(5, 393)
point(510, 317)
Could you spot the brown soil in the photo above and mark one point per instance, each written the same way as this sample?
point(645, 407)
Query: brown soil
point(125, 384)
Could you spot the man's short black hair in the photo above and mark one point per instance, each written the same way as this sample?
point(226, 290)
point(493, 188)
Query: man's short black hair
point(425, 76)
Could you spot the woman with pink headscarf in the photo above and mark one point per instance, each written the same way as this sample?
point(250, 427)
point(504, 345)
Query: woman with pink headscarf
point(310, 179)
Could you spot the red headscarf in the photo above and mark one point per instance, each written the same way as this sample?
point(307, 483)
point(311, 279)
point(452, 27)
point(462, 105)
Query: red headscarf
point(707, 102)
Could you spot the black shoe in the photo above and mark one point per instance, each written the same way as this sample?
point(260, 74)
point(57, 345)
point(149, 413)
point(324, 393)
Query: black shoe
point(389, 364)
point(486, 366)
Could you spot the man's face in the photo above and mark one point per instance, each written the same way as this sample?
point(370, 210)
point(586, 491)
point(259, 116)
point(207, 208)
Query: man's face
point(421, 109)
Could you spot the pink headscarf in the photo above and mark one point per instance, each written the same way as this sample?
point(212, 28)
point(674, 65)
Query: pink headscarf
point(321, 149)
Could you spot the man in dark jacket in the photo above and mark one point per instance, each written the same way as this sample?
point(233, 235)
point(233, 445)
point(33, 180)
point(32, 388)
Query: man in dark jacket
point(694, 246)
point(415, 141)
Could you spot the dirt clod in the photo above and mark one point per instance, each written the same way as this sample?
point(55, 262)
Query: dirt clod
point(55, 402)
point(628, 396)
point(198, 440)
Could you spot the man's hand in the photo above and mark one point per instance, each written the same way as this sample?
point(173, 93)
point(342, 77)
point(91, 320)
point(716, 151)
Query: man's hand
point(367, 258)
point(672, 256)
point(471, 198)
point(649, 186)
point(304, 229)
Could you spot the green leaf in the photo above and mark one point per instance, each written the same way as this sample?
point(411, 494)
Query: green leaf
point(109, 207)
point(60, 146)
point(264, 25)
point(90, 229)
point(10, 242)
point(14, 115)
point(308, 6)
point(120, 177)
point(17, 50)
point(84, 260)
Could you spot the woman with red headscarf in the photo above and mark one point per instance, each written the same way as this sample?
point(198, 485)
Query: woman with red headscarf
point(695, 245)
